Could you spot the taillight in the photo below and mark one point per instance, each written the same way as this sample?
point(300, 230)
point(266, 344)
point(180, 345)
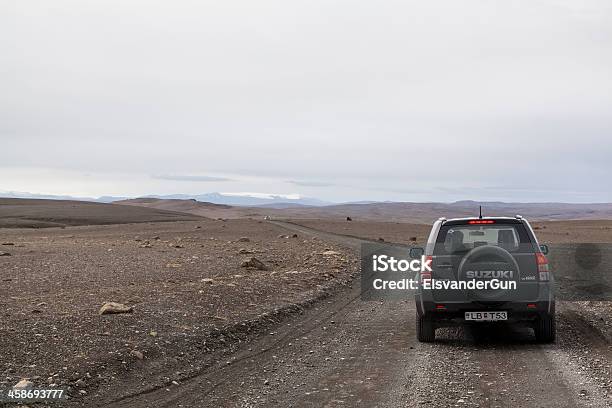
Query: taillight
point(542, 263)
point(426, 275)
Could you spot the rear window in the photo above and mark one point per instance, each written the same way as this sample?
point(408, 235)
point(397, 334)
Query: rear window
point(457, 239)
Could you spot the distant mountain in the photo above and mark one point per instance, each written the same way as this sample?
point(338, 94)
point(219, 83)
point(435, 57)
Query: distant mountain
point(427, 212)
point(22, 194)
point(384, 211)
point(246, 200)
point(283, 205)
point(41, 213)
point(280, 206)
point(273, 201)
point(109, 199)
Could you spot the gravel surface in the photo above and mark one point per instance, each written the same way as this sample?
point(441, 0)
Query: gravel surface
point(188, 293)
point(550, 232)
point(336, 352)
point(345, 352)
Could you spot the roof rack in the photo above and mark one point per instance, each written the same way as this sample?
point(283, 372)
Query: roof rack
point(518, 217)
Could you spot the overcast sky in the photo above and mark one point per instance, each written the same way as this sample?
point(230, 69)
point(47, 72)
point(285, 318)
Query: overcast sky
point(340, 100)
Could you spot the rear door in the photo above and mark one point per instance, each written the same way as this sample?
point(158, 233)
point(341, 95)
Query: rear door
point(456, 239)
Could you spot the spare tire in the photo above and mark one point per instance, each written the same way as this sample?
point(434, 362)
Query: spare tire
point(485, 263)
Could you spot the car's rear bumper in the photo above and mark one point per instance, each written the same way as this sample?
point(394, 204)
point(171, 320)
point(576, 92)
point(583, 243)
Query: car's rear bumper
point(454, 313)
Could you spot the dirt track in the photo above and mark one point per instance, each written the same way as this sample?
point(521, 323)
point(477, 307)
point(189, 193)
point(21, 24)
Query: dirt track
point(346, 352)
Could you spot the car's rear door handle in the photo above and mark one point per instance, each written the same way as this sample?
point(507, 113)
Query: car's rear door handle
point(445, 266)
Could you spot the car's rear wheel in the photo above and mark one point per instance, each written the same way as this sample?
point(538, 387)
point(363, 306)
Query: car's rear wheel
point(546, 329)
point(426, 332)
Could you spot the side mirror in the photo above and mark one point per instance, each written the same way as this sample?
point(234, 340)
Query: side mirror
point(544, 249)
point(416, 252)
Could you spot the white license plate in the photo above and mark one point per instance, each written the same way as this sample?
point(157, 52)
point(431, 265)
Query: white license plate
point(486, 316)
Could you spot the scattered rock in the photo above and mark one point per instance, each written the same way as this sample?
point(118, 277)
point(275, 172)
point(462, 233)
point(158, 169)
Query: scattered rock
point(244, 239)
point(173, 265)
point(244, 251)
point(8, 243)
point(413, 239)
point(208, 280)
point(294, 236)
point(23, 384)
point(254, 263)
point(80, 383)
point(330, 253)
point(153, 333)
point(146, 244)
point(114, 308)
point(381, 239)
point(4, 254)
point(137, 354)
point(349, 219)
point(177, 245)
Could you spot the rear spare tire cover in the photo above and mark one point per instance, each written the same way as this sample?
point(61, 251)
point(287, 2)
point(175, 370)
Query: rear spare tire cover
point(486, 263)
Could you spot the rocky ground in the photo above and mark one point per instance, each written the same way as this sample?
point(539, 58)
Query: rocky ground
point(390, 232)
point(191, 289)
point(30, 213)
point(347, 352)
point(252, 313)
point(554, 232)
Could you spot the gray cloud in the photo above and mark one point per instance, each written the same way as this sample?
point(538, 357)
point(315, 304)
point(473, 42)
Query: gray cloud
point(310, 183)
point(207, 179)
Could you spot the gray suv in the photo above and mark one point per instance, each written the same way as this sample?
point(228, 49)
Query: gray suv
point(484, 270)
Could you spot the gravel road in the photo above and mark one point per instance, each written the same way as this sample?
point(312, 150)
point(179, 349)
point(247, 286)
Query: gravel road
point(346, 352)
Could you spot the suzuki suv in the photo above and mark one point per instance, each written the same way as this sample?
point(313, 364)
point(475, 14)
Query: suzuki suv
point(484, 270)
